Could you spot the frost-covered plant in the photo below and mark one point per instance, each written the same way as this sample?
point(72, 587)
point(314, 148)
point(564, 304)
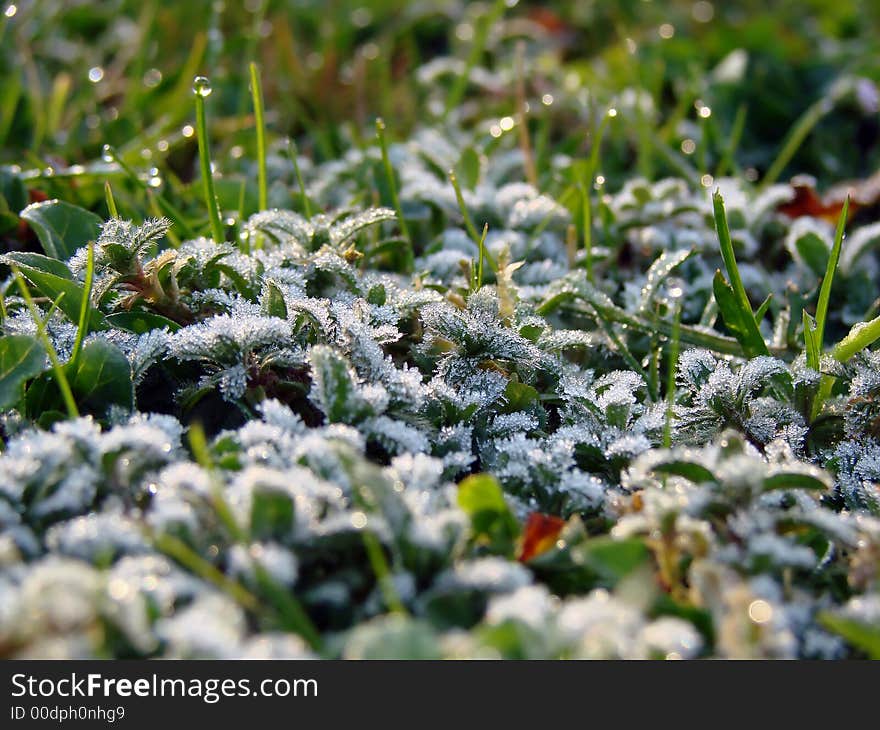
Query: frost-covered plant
point(560, 453)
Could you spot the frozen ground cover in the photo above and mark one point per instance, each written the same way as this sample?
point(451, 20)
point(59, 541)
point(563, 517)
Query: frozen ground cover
point(389, 411)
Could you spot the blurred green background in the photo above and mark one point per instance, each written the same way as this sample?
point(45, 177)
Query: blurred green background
point(77, 74)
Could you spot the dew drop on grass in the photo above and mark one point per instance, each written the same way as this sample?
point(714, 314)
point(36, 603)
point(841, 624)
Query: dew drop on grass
point(107, 153)
point(202, 86)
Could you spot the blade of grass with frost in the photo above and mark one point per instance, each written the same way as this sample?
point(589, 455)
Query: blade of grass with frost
point(861, 336)
point(827, 280)
point(482, 245)
point(58, 369)
point(674, 347)
point(392, 186)
point(201, 90)
point(736, 310)
point(814, 329)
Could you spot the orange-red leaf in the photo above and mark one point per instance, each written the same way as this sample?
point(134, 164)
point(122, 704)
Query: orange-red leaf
point(539, 535)
point(808, 202)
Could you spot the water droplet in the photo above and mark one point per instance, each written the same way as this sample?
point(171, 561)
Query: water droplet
point(187, 130)
point(506, 123)
point(688, 146)
point(10, 11)
point(96, 73)
point(162, 145)
point(666, 31)
point(358, 520)
point(760, 611)
point(547, 99)
point(107, 153)
point(702, 11)
point(152, 78)
point(202, 86)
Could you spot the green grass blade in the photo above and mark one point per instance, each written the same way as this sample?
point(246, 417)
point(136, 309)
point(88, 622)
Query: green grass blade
point(57, 367)
point(202, 89)
point(825, 291)
point(260, 121)
point(83, 323)
point(732, 298)
point(392, 186)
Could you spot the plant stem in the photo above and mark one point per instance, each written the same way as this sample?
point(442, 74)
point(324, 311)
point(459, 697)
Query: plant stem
point(58, 368)
point(207, 173)
point(260, 120)
point(392, 186)
point(83, 325)
point(111, 202)
point(293, 155)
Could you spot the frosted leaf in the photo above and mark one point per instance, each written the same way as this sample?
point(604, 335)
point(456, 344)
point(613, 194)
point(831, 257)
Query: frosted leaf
point(531, 605)
point(225, 338)
point(490, 574)
point(276, 646)
point(599, 626)
point(96, 537)
point(670, 638)
point(395, 436)
point(212, 626)
point(279, 563)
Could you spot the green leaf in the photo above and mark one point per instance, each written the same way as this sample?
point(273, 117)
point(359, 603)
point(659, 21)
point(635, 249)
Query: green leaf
point(21, 357)
point(519, 396)
point(62, 227)
point(481, 498)
point(762, 310)
point(862, 335)
point(825, 290)
point(334, 386)
point(813, 251)
point(662, 267)
point(735, 308)
point(101, 377)
point(861, 635)
point(612, 559)
point(811, 342)
point(697, 473)
point(272, 513)
point(798, 479)
point(741, 322)
point(140, 322)
point(469, 168)
point(38, 262)
point(13, 191)
point(52, 285)
point(273, 303)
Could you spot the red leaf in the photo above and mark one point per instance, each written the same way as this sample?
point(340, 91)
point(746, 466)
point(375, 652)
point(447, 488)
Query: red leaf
point(807, 201)
point(539, 535)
